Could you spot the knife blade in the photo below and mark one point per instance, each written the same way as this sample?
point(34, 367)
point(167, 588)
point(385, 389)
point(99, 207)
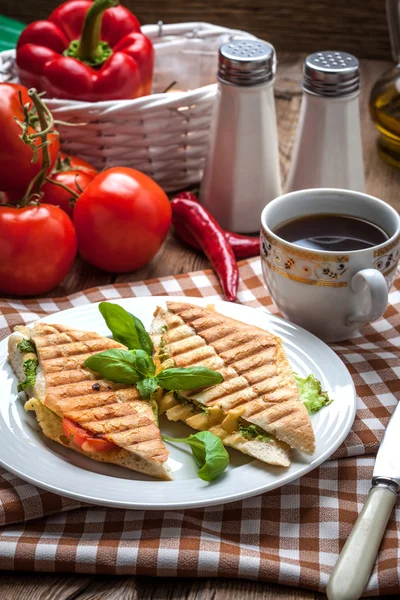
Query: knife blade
point(387, 464)
point(353, 568)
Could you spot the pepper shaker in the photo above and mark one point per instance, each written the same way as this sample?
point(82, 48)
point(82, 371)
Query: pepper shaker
point(242, 168)
point(328, 148)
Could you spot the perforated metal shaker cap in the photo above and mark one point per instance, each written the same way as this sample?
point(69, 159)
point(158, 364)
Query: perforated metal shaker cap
point(246, 62)
point(331, 73)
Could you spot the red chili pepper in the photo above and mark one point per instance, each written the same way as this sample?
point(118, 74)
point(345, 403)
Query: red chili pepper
point(211, 239)
point(243, 246)
point(87, 51)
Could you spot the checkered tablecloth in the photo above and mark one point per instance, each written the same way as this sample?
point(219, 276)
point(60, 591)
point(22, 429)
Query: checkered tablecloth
point(291, 535)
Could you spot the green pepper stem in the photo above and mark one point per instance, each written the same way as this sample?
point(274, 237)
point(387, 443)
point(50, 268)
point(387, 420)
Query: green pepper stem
point(89, 44)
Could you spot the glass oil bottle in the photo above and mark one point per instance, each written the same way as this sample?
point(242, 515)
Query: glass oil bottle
point(385, 95)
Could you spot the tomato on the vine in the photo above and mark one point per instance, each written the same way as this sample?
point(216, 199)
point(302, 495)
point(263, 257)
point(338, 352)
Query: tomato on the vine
point(121, 220)
point(37, 247)
point(74, 163)
point(70, 171)
point(16, 167)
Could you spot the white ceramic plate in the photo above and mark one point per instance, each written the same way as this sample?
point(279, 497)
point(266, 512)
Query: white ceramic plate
point(25, 452)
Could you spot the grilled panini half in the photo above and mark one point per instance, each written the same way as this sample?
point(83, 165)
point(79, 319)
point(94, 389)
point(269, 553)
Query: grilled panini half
point(63, 387)
point(257, 408)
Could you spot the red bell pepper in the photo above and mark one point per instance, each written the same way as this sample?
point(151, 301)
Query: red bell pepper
point(87, 51)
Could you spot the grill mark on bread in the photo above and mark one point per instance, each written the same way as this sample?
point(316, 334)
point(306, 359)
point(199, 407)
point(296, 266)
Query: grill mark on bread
point(63, 406)
point(79, 389)
point(194, 343)
point(259, 374)
point(233, 401)
point(215, 333)
point(192, 357)
point(226, 388)
point(178, 333)
point(264, 358)
point(258, 357)
point(113, 423)
point(243, 351)
point(71, 349)
point(211, 362)
point(133, 435)
point(65, 364)
point(115, 411)
point(204, 324)
point(60, 378)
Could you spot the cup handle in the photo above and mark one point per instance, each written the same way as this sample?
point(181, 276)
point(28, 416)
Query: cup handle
point(373, 281)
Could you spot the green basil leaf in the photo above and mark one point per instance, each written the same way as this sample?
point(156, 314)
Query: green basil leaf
point(189, 378)
point(146, 387)
point(143, 363)
point(208, 452)
point(115, 365)
point(126, 328)
point(144, 339)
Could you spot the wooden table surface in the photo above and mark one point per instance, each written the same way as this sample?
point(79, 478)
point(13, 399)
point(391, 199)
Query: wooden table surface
point(382, 181)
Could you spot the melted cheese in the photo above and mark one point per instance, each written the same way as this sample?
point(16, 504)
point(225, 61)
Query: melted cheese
point(212, 418)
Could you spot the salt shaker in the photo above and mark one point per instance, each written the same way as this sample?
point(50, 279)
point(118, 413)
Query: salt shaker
point(242, 168)
point(328, 149)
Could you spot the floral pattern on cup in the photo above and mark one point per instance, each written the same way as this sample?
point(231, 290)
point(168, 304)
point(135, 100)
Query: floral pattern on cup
point(386, 260)
point(303, 266)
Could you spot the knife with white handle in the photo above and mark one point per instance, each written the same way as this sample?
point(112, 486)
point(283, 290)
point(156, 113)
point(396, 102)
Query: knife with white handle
point(353, 568)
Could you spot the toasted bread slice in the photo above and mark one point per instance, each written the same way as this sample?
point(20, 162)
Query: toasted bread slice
point(66, 388)
point(259, 386)
point(50, 424)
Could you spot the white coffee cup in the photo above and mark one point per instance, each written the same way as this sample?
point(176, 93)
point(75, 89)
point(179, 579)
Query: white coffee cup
point(331, 294)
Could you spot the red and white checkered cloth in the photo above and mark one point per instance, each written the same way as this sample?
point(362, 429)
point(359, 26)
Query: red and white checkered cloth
point(291, 535)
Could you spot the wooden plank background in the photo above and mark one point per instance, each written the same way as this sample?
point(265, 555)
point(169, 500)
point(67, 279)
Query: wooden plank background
point(357, 26)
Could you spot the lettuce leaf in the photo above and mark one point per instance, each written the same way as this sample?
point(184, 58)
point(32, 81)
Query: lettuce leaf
point(311, 393)
point(254, 432)
point(30, 368)
point(26, 346)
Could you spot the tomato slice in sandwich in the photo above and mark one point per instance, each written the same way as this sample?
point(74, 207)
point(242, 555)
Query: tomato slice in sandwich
point(84, 439)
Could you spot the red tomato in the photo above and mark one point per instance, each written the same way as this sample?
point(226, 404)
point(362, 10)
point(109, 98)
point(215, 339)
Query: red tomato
point(16, 166)
point(121, 220)
point(37, 248)
point(75, 162)
point(69, 171)
point(84, 439)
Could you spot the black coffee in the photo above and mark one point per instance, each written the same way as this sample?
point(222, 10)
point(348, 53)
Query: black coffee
point(332, 233)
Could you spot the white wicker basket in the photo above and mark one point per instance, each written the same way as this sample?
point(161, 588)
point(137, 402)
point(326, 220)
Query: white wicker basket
point(164, 135)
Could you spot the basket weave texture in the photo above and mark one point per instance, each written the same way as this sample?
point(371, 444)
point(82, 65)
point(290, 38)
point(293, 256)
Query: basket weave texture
point(164, 135)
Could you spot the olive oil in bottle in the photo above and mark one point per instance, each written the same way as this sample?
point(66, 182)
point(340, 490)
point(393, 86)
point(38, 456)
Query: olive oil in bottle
point(385, 95)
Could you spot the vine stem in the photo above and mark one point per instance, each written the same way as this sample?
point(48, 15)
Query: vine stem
point(74, 194)
point(45, 122)
point(46, 162)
